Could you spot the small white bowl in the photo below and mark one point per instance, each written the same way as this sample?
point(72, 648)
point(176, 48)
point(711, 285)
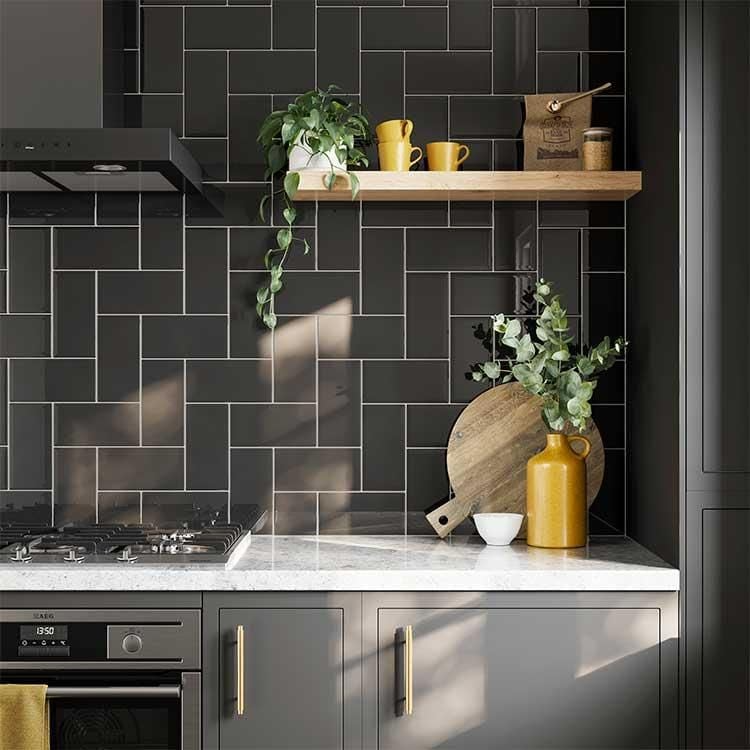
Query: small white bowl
point(498, 528)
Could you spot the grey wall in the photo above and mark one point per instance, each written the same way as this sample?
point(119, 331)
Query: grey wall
point(136, 382)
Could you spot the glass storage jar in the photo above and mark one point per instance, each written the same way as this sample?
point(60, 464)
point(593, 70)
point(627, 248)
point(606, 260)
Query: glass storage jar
point(597, 149)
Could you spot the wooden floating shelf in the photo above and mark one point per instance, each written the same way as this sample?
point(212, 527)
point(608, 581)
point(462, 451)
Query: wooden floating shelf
point(473, 186)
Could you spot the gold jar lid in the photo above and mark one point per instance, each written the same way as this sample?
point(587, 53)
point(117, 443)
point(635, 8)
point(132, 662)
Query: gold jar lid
point(600, 132)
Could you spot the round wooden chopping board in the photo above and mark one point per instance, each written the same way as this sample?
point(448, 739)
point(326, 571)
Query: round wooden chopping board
point(488, 448)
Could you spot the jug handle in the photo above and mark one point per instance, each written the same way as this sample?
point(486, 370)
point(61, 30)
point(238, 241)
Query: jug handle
point(587, 445)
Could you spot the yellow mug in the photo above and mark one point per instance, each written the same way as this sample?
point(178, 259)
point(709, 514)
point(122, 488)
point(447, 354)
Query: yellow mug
point(394, 130)
point(395, 156)
point(444, 156)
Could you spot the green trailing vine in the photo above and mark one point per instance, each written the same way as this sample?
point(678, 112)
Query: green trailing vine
point(322, 123)
point(547, 366)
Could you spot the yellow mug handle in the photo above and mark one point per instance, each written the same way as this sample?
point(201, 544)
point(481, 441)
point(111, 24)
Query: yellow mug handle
point(587, 445)
point(408, 127)
point(462, 159)
point(413, 162)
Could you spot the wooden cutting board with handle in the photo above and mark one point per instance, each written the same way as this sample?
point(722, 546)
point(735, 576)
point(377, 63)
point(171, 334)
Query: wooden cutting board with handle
point(488, 448)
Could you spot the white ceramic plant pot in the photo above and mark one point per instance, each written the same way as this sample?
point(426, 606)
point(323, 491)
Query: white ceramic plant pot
point(301, 158)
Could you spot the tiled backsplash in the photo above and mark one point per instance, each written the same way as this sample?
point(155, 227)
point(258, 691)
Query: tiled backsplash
point(136, 383)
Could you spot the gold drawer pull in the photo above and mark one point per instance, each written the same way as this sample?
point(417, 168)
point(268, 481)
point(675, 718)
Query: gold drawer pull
point(405, 688)
point(240, 670)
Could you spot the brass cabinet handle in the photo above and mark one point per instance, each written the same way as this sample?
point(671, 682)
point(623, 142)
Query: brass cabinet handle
point(240, 670)
point(405, 699)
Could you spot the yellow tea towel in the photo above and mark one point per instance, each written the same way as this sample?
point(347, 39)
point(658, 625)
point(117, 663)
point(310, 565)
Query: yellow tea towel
point(24, 717)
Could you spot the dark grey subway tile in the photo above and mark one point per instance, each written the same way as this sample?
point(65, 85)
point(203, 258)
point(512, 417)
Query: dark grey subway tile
point(429, 425)
point(229, 380)
point(405, 381)
point(295, 513)
point(609, 111)
point(607, 513)
point(26, 506)
point(430, 117)
point(595, 214)
point(141, 468)
point(30, 440)
point(603, 307)
point(25, 336)
point(395, 215)
point(404, 28)
point(361, 512)
point(75, 314)
point(47, 209)
point(28, 263)
point(227, 28)
point(448, 249)
point(325, 292)
point(560, 264)
point(427, 315)
point(603, 67)
point(338, 236)
point(130, 292)
point(161, 50)
point(154, 111)
point(294, 365)
point(491, 293)
point(559, 72)
point(603, 250)
point(382, 271)
point(470, 24)
point(317, 469)
point(119, 507)
point(161, 231)
point(205, 93)
point(610, 388)
point(4, 401)
point(486, 117)
point(184, 336)
point(508, 155)
point(271, 72)
point(247, 334)
point(117, 208)
point(338, 48)
point(226, 205)
point(383, 436)
point(3, 471)
point(581, 29)
point(3, 285)
point(339, 403)
point(96, 248)
point(466, 349)
point(383, 85)
point(162, 508)
point(514, 51)
point(251, 482)
point(515, 236)
point(207, 458)
point(131, 73)
point(75, 486)
point(211, 154)
point(118, 358)
point(294, 24)
point(360, 336)
point(471, 213)
point(610, 420)
point(270, 425)
point(51, 379)
point(248, 248)
point(97, 424)
point(427, 480)
point(246, 114)
point(162, 403)
point(448, 72)
point(206, 270)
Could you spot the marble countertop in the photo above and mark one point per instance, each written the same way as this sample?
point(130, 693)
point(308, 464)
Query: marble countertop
point(374, 563)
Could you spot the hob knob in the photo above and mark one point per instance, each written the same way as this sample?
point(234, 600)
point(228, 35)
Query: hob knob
point(132, 643)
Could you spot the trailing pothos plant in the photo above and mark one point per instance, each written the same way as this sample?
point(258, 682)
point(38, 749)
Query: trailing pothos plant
point(323, 124)
point(547, 367)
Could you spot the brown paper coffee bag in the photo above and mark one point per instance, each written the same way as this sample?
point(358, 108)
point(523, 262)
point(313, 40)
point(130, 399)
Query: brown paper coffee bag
point(553, 141)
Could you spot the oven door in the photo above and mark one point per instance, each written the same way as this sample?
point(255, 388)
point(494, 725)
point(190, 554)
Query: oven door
point(117, 712)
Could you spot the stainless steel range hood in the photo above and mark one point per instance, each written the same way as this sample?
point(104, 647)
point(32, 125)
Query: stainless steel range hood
point(62, 72)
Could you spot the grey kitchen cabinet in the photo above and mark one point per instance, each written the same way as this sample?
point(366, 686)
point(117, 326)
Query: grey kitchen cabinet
point(281, 671)
point(531, 670)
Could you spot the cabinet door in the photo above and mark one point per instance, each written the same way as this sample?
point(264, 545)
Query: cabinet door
point(520, 678)
point(292, 669)
point(717, 242)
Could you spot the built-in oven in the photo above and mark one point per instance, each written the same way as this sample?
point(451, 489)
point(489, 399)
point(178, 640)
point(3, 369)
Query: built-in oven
point(117, 680)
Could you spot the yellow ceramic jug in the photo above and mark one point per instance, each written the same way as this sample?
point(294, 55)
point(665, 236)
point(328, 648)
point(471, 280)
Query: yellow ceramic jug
point(556, 494)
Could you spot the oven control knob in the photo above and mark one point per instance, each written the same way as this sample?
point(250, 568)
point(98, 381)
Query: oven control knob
point(132, 643)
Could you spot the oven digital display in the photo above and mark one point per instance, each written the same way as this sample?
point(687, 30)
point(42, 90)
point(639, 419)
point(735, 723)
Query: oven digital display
point(37, 632)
